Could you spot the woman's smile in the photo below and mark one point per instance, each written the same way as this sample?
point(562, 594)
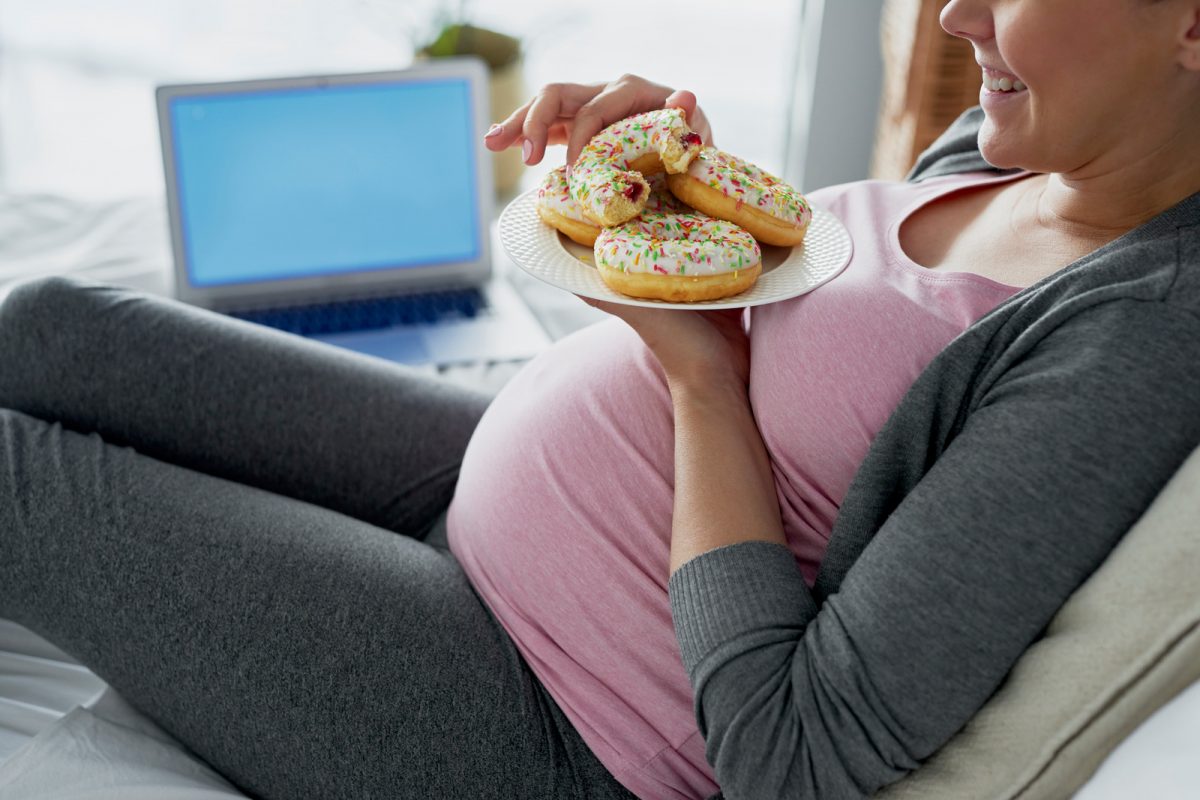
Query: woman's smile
point(1000, 90)
point(995, 80)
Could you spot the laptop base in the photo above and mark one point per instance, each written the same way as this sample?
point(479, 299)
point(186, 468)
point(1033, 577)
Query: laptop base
point(507, 331)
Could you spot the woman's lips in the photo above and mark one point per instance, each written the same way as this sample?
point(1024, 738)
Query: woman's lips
point(995, 80)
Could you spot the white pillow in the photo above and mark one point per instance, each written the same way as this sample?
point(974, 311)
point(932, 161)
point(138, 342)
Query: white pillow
point(1121, 647)
point(1158, 760)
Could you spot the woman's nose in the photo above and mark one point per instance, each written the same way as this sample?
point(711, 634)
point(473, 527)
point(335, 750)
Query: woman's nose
point(968, 19)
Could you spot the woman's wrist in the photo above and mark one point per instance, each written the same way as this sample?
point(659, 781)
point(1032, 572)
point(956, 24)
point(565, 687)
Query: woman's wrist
point(724, 484)
point(706, 383)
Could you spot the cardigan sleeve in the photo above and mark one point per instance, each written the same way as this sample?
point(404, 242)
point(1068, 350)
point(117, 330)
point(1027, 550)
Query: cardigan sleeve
point(1052, 466)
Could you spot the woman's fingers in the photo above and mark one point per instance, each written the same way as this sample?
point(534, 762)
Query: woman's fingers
point(627, 95)
point(682, 98)
point(571, 114)
point(696, 120)
point(503, 134)
point(555, 102)
point(541, 120)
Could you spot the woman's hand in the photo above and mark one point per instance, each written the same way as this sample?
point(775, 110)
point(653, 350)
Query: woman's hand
point(724, 485)
point(572, 113)
point(697, 349)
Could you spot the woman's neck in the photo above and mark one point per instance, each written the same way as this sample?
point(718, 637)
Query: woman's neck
point(1097, 205)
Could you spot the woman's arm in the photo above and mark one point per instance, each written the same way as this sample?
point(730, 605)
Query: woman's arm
point(724, 488)
point(1051, 469)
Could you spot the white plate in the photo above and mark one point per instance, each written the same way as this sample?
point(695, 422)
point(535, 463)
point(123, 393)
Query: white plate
point(546, 254)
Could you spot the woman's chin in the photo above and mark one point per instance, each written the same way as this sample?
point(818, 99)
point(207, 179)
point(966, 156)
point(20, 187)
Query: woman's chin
point(1000, 150)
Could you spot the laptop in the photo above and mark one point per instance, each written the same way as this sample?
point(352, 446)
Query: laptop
point(351, 209)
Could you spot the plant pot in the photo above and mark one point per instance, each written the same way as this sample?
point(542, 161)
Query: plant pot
point(507, 91)
point(506, 85)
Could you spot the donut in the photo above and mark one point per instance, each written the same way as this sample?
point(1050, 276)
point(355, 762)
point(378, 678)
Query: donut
point(660, 198)
point(559, 210)
point(726, 187)
point(677, 257)
point(608, 178)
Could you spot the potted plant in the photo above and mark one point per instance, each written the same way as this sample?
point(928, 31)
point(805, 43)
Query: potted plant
point(455, 36)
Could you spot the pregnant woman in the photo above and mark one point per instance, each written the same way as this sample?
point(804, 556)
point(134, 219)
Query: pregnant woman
point(677, 555)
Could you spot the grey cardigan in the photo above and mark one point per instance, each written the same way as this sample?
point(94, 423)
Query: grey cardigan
point(1005, 476)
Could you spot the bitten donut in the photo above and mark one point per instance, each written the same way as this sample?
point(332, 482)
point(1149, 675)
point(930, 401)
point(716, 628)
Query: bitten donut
point(559, 210)
point(726, 187)
point(608, 179)
point(677, 257)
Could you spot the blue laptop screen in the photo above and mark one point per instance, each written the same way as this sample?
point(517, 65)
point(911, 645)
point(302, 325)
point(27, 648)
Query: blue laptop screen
point(294, 183)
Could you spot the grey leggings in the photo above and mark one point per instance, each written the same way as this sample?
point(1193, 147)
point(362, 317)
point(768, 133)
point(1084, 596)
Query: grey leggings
point(226, 524)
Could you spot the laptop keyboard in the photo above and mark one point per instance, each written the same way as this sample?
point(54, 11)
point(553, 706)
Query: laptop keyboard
point(368, 313)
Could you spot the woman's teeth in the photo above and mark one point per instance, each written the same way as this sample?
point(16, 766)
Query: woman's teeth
point(1002, 84)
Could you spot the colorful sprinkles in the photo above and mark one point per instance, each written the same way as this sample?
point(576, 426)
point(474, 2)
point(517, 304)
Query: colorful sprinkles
point(554, 195)
point(601, 173)
point(749, 184)
point(677, 244)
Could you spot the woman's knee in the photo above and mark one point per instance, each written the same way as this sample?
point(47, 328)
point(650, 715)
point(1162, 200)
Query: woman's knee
point(38, 318)
point(39, 296)
point(35, 310)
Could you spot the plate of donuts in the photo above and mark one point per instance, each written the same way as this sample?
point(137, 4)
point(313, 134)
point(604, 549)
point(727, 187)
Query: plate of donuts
point(787, 272)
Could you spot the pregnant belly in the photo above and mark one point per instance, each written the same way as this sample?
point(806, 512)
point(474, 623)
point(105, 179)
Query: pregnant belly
point(562, 520)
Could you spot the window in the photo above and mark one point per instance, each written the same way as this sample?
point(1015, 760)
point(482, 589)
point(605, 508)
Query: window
point(77, 112)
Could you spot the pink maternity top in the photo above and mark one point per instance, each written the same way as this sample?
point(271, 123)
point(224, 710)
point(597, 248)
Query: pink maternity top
point(562, 514)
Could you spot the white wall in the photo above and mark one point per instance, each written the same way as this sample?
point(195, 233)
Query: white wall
point(838, 79)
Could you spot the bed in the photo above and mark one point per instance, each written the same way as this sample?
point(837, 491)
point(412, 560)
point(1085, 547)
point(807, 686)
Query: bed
point(65, 733)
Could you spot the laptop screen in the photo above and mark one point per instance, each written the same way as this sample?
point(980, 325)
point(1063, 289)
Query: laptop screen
point(293, 183)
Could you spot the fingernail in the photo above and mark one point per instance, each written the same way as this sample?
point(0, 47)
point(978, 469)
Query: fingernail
point(492, 131)
point(568, 170)
point(526, 151)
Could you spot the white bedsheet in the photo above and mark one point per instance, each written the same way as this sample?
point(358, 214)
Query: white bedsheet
point(122, 242)
point(64, 733)
point(38, 684)
point(107, 750)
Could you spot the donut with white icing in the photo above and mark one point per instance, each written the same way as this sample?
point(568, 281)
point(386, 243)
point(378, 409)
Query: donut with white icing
point(559, 210)
point(660, 199)
point(608, 178)
point(726, 187)
point(677, 257)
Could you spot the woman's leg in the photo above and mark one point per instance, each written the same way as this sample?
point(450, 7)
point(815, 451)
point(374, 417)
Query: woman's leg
point(299, 651)
point(373, 440)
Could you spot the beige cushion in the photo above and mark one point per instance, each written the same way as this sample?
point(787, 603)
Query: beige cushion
point(1125, 643)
